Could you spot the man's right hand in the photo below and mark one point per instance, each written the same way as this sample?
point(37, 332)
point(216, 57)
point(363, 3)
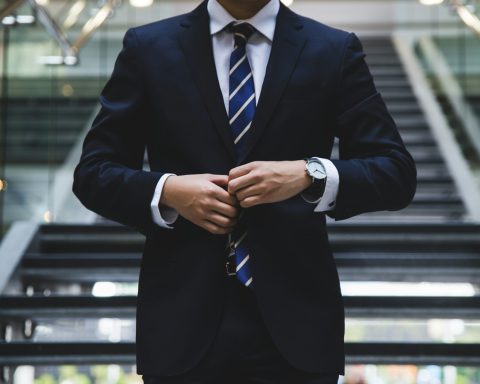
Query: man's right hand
point(202, 200)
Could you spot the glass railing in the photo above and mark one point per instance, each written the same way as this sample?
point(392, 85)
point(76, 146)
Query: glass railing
point(46, 109)
point(451, 60)
point(55, 58)
point(125, 374)
point(47, 106)
point(452, 65)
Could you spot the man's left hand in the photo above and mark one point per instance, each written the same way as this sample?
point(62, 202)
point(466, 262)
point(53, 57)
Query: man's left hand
point(261, 182)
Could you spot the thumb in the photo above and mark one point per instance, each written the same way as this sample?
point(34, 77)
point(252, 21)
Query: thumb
point(220, 180)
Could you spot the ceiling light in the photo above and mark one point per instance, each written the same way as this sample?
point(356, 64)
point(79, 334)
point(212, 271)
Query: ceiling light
point(25, 19)
point(47, 216)
point(8, 20)
point(141, 3)
point(70, 60)
point(58, 60)
point(431, 2)
point(104, 289)
point(50, 60)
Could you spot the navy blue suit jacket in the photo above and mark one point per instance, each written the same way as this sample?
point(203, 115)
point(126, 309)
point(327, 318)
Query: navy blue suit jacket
point(164, 95)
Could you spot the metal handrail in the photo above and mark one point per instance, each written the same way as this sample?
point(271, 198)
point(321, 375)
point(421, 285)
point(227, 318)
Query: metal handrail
point(70, 52)
point(53, 29)
point(13, 247)
point(457, 164)
point(451, 89)
point(94, 23)
point(466, 12)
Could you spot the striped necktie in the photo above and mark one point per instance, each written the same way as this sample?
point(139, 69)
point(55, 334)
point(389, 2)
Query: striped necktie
point(241, 111)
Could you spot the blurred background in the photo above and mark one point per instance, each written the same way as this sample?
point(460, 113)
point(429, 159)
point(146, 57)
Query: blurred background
point(68, 278)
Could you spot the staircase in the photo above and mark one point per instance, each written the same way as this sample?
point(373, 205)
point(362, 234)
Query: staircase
point(49, 315)
point(437, 199)
point(38, 136)
point(52, 322)
point(44, 120)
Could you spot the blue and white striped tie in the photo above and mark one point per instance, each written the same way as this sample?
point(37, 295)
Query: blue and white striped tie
point(241, 111)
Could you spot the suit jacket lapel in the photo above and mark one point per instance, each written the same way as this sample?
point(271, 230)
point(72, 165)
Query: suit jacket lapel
point(288, 42)
point(196, 43)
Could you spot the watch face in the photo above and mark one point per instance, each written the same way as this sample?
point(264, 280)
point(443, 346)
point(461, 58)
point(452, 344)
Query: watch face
point(316, 169)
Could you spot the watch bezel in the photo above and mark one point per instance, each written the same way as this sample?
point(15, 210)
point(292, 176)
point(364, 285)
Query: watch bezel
point(315, 191)
point(316, 160)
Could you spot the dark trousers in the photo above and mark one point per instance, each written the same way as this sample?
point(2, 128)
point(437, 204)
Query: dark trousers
point(243, 352)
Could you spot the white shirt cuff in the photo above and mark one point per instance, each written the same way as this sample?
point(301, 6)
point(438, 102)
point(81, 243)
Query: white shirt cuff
point(162, 215)
point(328, 200)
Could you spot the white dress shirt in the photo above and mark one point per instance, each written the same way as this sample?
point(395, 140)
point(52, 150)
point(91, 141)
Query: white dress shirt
point(258, 52)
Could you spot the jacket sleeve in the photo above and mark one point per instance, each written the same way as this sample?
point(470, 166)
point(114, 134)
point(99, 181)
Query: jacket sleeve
point(376, 171)
point(109, 179)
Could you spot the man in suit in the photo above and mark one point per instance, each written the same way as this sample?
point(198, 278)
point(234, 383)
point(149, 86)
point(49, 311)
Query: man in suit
point(237, 104)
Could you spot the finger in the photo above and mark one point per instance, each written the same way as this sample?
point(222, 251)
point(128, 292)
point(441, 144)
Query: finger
point(225, 197)
point(241, 170)
point(220, 180)
point(225, 209)
point(221, 220)
point(251, 201)
point(254, 189)
point(242, 182)
point(214, 228)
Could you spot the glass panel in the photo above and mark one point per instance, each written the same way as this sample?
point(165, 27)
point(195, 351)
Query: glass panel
point(85, 329)
point(451, 60)
point(410, 374)
point(95, 374)
point(354, 374)
point(48, 104)
point(423, 288)
point(412, 330)
point(44, 285)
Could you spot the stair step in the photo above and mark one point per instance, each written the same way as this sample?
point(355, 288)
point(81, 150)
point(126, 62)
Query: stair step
point(41, 127)
point(396, 73)
point(413, 121)
point(100, 352)
point(426, 142)
point(400, 236)
point(382, 61)
point(387, 258)
point(404, 107)
point(17, 141)
point(376, 50)
point(370, 306)
point(421, 156)
point(398, 94)
point(417, 136)
point(35, 155)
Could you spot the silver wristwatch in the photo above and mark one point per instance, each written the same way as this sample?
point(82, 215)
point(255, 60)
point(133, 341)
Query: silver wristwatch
point(315, 169)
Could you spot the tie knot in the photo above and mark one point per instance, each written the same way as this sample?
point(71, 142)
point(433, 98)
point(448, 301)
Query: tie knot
point(242, 32)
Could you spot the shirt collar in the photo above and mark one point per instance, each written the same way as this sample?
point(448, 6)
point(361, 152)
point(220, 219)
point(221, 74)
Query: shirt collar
point(263, 21)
